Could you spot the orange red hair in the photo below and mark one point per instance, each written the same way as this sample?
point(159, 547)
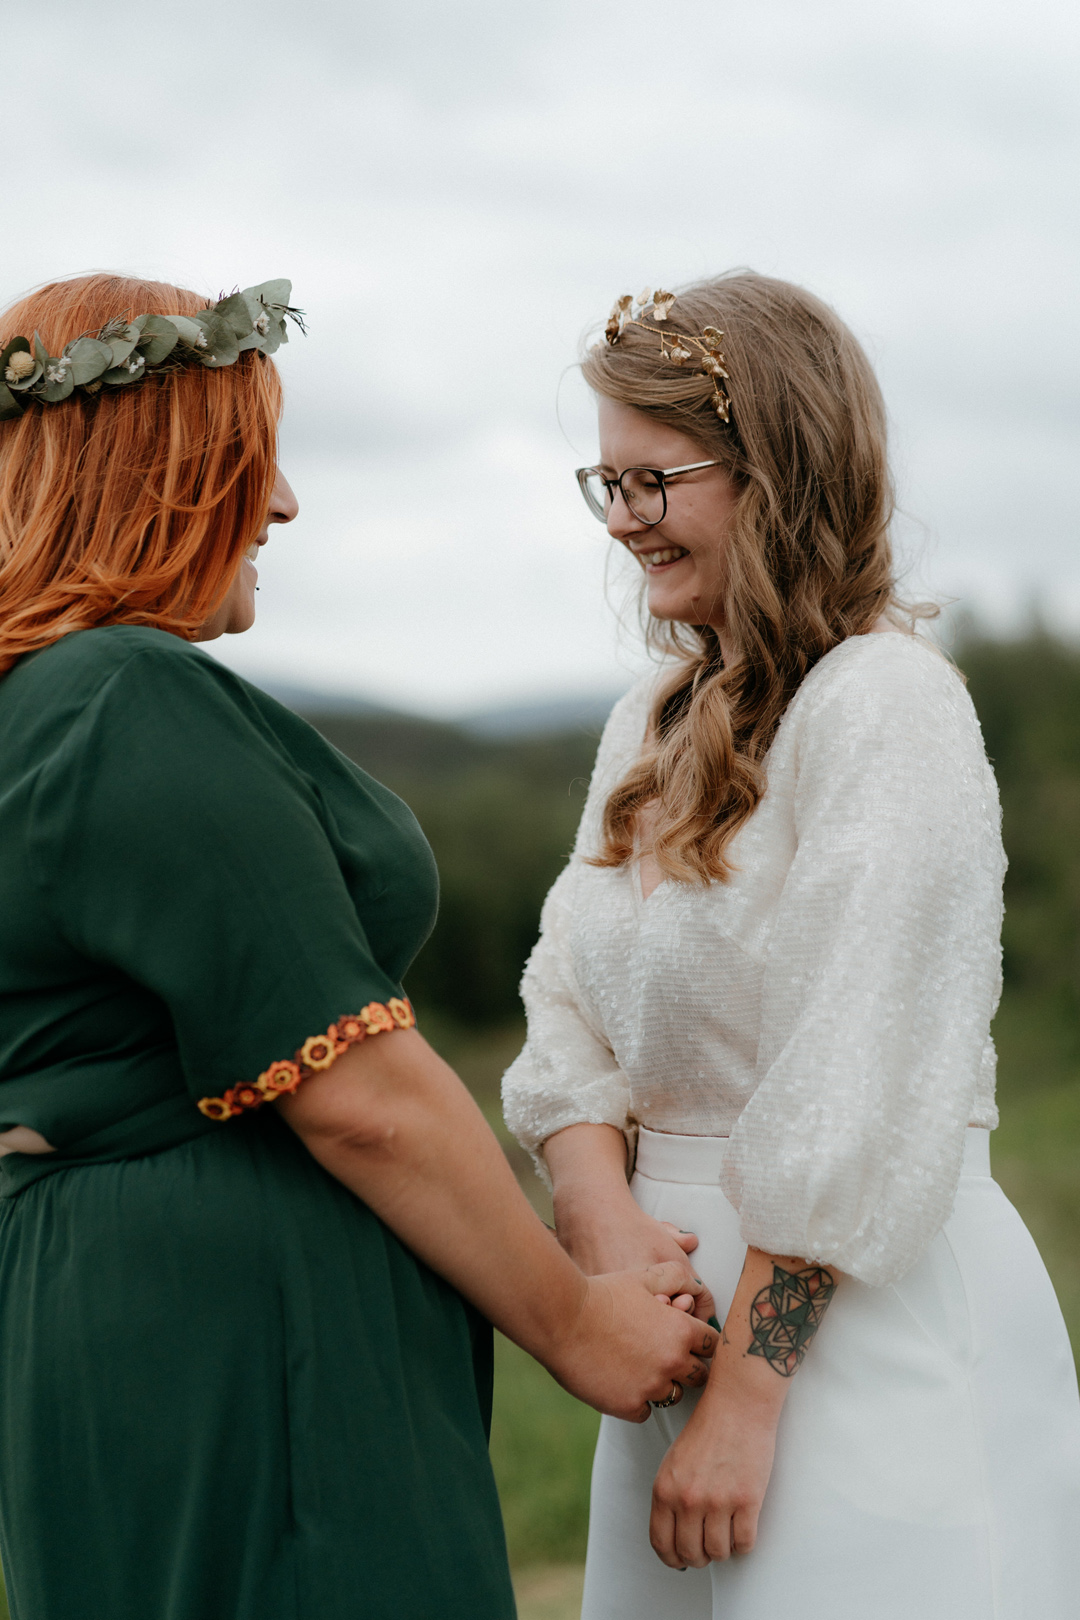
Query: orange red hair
point(133, 506)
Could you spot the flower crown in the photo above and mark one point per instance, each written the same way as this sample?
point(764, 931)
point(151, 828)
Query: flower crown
point(676, 347)
point(125, 351)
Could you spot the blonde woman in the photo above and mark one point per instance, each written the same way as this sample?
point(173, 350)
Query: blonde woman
point(759, 1021)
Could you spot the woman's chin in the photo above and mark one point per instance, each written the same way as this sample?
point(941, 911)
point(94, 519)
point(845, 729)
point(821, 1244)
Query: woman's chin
point(242, 618)
point(663, 605)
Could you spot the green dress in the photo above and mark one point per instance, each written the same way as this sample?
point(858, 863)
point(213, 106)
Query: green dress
point(227, 1391)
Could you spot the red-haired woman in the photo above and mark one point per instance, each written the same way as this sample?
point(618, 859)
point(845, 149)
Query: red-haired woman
point(250, 1224)
point(771, 967)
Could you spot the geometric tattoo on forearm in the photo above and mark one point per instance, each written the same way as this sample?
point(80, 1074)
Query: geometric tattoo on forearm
point(785, 1316)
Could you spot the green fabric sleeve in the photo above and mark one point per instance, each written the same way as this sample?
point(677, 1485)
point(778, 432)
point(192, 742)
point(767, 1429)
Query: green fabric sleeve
point(178, 843)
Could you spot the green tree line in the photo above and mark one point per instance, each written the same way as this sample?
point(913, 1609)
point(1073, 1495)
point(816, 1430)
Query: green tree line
point(500, 817)
point(1027, 694)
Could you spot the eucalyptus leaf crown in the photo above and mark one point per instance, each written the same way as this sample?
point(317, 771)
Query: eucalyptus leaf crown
point(124, 352)
point(678, 348)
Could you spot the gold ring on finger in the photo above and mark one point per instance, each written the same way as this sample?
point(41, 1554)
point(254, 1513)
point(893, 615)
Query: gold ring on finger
point(673, 1399)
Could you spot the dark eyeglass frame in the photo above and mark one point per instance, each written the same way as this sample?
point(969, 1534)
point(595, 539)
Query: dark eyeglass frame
point(661, 474)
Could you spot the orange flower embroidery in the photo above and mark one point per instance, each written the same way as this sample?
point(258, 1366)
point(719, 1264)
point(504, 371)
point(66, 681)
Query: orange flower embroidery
point(347, 1031)
point(318, 1052)
point(244, 1096)
point(377, 1018)
point(279, 1077)
point(216, 1108)
point(401, 1013)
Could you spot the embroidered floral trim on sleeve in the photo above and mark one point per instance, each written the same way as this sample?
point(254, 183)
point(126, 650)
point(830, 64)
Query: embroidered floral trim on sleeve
point(318, 1052)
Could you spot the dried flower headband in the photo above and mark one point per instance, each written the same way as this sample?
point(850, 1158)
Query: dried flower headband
point(125, 351)
point(676, 347)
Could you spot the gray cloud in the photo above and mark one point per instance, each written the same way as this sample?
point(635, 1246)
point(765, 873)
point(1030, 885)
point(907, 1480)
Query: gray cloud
point(458, 192)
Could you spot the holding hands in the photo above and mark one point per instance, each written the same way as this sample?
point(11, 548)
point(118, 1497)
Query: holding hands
point(628, 1347)
point(393, 1123)
point(597, 1221)
point(711, 1485)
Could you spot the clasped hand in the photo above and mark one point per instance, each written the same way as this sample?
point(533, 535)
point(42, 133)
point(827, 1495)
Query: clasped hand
point(711, 1484)
point(710, 1487)
point(629, 1347)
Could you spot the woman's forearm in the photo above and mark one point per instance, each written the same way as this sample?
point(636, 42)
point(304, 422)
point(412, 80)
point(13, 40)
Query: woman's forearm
point(777, 1309)
point(586, 1156)
point(394, 1124)
point(710, 1487)
point(597, 1218)
point(587, 1165)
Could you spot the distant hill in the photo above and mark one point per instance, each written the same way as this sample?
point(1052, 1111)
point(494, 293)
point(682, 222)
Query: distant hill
point(307, 700)
point(535, 718)
point(500, 814)
point(587, 710)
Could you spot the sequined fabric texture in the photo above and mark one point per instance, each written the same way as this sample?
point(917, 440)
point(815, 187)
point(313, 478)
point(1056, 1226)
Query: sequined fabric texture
point(828, 1007)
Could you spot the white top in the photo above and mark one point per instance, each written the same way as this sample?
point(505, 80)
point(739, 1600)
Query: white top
point(828, 1007)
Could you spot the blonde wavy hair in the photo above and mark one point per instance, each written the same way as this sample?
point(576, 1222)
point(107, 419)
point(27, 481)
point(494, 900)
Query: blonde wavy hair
point(808, 560)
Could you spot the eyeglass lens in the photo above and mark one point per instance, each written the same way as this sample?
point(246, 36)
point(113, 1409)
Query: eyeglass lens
point(642, 491)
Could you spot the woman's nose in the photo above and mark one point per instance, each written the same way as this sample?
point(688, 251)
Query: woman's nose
point(283, 503)
point(622, 524)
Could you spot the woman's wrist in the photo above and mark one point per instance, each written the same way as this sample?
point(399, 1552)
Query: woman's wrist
point(751, 1384)
point(556, 1308)
point(588, 1176)
point(778, 1306)
point(581, 1203)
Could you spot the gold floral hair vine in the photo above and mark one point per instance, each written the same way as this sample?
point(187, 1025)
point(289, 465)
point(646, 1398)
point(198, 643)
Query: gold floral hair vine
point(678, 348)
point(124, 351)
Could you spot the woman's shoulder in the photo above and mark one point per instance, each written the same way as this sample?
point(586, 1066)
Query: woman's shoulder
point(122, 692)
point(623, 736)
point(90, 660)
point(620, 745)
point(138, 685)
point(888, 677)
point(136, 667)
point(628, 720)
point(896, 705)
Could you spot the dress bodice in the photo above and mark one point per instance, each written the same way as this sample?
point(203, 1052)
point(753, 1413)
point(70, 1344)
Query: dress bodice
point(193, 882)
point(827, 1006)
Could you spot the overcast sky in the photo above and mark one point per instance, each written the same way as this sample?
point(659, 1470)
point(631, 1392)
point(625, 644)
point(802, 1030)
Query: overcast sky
point(458, 193)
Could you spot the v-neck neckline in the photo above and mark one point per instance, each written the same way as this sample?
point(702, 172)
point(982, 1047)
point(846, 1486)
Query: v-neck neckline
point(639, 887)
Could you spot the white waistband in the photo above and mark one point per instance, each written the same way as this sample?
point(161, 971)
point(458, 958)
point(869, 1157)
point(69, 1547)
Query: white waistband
point(663, 1156)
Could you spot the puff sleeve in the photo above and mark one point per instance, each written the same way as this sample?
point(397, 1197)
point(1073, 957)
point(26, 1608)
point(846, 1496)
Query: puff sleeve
point(568, 1073)
point(881, 976)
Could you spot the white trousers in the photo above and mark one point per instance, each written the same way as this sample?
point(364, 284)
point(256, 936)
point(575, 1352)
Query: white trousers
point(928, 1455)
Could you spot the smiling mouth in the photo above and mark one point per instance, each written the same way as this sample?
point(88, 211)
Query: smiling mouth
point(654, 559)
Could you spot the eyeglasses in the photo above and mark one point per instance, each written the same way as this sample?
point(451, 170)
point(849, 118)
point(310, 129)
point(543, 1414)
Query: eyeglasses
point(644, 489)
